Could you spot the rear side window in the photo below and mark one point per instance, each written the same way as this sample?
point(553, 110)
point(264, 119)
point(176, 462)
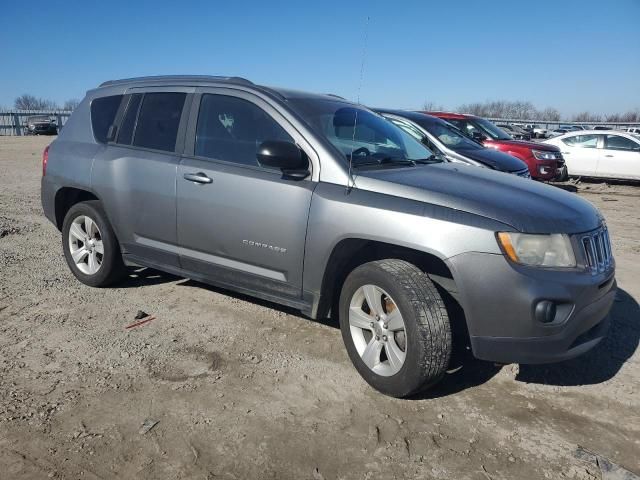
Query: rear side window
point(129, 122)
point(158, 121)
point(103, 112)
point(616, 142)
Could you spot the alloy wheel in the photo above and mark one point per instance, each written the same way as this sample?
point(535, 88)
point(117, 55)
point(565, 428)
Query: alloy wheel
point(85, 244)
point(377, 330)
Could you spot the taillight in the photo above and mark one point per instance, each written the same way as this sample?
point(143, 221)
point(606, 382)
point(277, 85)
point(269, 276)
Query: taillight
point(45, 159)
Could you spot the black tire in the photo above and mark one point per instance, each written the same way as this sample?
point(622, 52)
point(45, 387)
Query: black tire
point(427, 326)
point(112, 268)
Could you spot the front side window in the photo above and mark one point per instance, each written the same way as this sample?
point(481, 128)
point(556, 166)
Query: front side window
point(616, 142)
point(158, 120)
point(582, 141)
point(231, 129)
point(358, 133)
point(103, 113)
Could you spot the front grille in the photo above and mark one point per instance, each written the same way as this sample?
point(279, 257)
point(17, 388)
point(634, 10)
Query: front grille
point(597, 250)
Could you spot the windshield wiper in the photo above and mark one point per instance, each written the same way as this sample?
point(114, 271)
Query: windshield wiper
point(371, 160)
point(432, 159)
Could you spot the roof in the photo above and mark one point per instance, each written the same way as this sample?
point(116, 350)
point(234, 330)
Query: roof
point(417, 117)
point(449, 115)
point(216, 79)
point(600, 132)
point(179, 78)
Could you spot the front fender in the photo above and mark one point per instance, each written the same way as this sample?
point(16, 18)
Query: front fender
point(337, 214)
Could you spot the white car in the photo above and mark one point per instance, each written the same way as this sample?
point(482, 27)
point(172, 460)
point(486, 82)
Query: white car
point(536, 130)
point(635, 130)
point(600, 153)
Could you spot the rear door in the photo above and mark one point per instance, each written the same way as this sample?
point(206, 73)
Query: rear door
point(135, 175)
point(620, 157)
point(240, 224)
point(581, 153)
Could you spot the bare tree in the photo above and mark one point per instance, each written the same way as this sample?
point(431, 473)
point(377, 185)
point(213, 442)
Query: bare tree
point(71, 104)
point(430, 106)
point(551, 114)
point(29, 102)
point(587, 117)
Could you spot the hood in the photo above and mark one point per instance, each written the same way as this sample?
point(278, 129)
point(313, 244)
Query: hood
point(494, 159)
point(522, 143)
point(525, 205)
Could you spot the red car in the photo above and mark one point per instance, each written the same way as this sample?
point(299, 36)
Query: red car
point(545, 162)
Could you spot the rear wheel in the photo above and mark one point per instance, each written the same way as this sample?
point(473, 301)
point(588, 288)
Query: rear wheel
point(90, 245)
point(395, 327)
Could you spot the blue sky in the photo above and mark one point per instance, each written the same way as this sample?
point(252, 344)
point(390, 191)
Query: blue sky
point(574, 55)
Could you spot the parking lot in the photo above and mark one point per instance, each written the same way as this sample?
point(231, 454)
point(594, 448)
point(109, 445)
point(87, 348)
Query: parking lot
point(241, 388)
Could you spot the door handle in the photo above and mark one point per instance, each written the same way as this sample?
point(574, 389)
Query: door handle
point(608, 155)
point(198, 178)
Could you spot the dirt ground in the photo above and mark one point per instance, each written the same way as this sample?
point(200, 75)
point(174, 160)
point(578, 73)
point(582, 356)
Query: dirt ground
point(243, 389)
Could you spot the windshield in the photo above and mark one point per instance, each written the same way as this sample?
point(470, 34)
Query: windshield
point(373, 140)
point(491, 130)
point(451, 136)
point(480, 125)
point(38, 119)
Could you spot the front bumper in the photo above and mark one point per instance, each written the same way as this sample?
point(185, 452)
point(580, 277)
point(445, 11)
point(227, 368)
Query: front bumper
point(499, 300)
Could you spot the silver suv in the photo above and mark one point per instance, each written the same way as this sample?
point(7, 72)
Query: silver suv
point(318, 203)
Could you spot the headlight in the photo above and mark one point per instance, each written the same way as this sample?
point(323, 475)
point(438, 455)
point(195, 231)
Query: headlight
point(544, 155)
point(552, 250)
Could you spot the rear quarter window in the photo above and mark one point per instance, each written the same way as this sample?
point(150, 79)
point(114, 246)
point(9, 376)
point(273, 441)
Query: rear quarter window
point(103, 113)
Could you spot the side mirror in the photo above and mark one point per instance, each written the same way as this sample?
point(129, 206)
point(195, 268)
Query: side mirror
point(478, 137)
point(285, 156)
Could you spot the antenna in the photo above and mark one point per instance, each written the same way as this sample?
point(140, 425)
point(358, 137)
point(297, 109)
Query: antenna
point(355, 120)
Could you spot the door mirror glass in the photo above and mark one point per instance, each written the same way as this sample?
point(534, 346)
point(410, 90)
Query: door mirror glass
point(286, 156)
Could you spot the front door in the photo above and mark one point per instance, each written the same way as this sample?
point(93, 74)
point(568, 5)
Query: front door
point(581, 154)
point(238, 223)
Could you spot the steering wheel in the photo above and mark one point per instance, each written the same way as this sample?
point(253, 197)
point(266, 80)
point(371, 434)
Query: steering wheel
point(361, 151)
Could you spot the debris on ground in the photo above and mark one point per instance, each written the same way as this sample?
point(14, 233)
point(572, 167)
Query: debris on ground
point(608, 469)
point(142, 322)
point(147, 425)
point(140, 315)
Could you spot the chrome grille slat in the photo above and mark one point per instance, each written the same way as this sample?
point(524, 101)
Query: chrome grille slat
point(597, 250)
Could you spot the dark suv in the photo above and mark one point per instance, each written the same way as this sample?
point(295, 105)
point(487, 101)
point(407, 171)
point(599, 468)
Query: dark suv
point(439, 135)
point(41, 125)
point(544, 163)
point(318, 203)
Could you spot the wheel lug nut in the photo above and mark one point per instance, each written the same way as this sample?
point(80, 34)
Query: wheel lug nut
point(377, 317)
point(371, 324)
point(377, 337)
point(384, 326)
point(384, 338)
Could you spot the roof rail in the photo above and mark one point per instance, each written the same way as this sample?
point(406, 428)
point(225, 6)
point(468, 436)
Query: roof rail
point(179, 78)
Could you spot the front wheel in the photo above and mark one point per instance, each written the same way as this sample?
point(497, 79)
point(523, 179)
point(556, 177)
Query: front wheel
point(90, 245)
point(395, 327)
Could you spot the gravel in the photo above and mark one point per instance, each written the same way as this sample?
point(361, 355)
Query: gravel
point(241, 388)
